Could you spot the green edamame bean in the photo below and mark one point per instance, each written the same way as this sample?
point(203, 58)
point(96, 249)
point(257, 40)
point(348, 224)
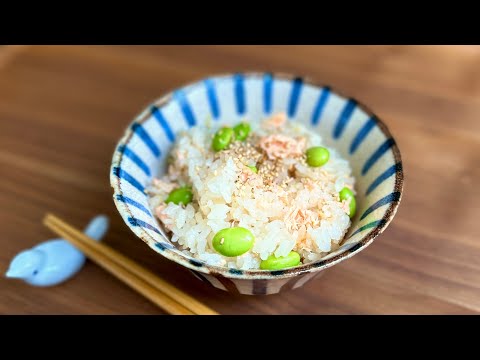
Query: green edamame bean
point(253, 168)
point(223, 138)
point(346, 194)
point(241, 131)
point(317, 156)
point(182, 195)
point(282, 262)
point(233, 241)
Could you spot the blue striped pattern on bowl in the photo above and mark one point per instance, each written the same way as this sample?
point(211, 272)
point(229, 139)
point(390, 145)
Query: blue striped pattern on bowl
point(343, 123)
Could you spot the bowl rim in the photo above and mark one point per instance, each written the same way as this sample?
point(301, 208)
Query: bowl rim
point(219, 271)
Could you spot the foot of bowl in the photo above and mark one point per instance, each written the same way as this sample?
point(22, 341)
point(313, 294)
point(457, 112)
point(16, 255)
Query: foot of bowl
point(256, 286)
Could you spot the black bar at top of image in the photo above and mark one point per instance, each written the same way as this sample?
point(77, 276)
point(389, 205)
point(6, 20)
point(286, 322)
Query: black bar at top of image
point(241, 23)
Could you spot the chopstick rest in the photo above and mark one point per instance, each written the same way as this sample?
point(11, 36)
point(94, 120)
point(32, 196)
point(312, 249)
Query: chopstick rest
point(54, 261)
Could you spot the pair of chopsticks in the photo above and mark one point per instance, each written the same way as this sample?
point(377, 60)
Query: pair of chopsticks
point(161, 293)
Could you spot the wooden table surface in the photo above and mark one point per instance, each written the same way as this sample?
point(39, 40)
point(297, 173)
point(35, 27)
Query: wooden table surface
point(62, 109)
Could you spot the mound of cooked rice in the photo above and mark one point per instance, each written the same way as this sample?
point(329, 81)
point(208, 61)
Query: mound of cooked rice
point(287, 205)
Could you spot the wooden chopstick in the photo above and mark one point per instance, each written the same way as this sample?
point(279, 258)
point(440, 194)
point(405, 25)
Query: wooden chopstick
point(148, 284)
point(158, 298)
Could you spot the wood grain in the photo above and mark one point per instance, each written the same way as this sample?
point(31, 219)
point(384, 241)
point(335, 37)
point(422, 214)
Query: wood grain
point(62, 109)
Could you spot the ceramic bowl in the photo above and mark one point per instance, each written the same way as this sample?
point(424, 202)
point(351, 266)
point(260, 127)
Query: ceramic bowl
point(343, 122)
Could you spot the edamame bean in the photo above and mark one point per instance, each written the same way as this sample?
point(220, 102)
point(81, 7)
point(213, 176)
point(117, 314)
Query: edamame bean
point(241, 131)
point(182, 195)
point(317, 156)
point(233, 241)
point(282, 262)
point(346, 194)
point(223, 138)
point(253, 168)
